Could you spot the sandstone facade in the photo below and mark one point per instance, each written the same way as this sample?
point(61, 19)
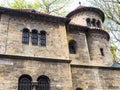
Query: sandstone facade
point(76, 55)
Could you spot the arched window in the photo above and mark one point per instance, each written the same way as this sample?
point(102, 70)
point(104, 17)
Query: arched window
point(34, 37)
point(79, 89)
point(88, 22)
point(25, 83)
point(98, 24)
point(25, 36)
point(43, 38)
point(43, 83)
point(93, 22)
point(72, 47)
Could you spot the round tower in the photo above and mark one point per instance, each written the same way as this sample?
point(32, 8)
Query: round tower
point(97, 38)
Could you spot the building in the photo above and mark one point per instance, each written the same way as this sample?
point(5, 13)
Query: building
point(44, 52)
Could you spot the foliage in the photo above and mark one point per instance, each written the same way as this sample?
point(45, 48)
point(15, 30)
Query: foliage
point(56, 7)
point(111, 9)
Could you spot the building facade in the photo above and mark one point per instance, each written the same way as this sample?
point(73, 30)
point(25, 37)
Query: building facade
point(44, 52)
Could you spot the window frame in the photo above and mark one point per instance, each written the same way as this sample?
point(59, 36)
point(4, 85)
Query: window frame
point(25, 85)
point(34, 37)
point(25, 36)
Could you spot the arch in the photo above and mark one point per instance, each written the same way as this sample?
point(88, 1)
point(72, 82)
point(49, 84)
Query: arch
point(43, 38)
point(79, 89)
point(98, 24)
point(25, 82)
point(34, 37)
point(43, 83)
point(88, 22)
point(72, 47)
point(93, 22)
point(25, 36)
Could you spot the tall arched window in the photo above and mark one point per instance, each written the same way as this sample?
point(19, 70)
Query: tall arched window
point(25, 83)
point(34, 37)
point(72, 47)
point(25, 36)
point(88, 22)
point(43, 38)
point(98, 24)
point(43, 83)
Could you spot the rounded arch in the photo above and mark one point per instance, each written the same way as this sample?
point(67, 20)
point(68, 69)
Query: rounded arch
point(43, 77)
point(72, 47)
point(34, 31)
point(25, 76)
point(79, 89)
point(34, 37)
point(25, 36)
point(25, 82)
point(43, 32)
point(43, 38)
point(43, 83)
point(26, 30)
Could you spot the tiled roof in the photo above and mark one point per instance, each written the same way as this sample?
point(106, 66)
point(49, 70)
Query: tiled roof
point(30, 13)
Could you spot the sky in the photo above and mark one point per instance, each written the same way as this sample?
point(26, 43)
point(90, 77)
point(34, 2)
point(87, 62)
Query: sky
point(74, 4)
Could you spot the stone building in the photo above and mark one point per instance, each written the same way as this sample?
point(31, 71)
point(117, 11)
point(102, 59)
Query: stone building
point(44, 52)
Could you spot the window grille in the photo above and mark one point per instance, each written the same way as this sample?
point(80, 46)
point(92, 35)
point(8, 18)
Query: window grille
point(25, 83)
point(34, 37)
point(25, 36)
point(43, 83)
point(43, 38)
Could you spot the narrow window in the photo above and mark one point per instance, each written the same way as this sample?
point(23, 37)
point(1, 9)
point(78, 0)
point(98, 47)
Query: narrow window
point(25, 83)
point(43, 83)
point(101, 51)
point(93, 22)
point(34, 37)
point(25, 36)
point(88, 22)
point(72, 47)
point(43, 38)
point(98, 24)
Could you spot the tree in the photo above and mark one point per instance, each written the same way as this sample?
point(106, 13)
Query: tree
point(111, 9)
point(55, 7)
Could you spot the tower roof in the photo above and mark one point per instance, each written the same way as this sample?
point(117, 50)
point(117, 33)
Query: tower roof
point(86, 8)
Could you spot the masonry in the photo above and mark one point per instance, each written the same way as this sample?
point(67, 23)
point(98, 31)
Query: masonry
point(44, 52)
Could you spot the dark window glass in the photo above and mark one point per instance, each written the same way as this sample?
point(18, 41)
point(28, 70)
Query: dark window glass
point(93, 22)
point(25, 83)
point(25, 36)
point(72, 47)
point(88, 22)
point(34, 37)
point(79, 89)
point(43, 83)
point(43, 38)
point(101, 51)
point(98, 24)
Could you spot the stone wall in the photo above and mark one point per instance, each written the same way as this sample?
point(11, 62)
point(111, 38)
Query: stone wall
point(82, 54)
point(80, 18)
point(11, 27)
point(11, 69)
point(95, 78)
point(97, 40)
